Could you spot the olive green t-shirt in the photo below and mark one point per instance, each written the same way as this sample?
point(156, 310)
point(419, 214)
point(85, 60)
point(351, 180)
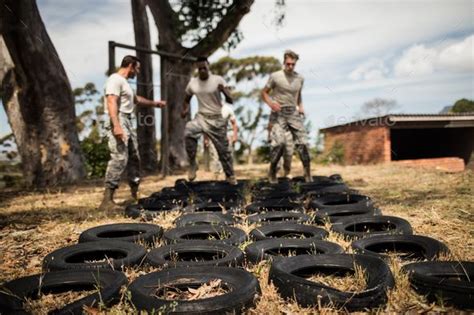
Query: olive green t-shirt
point(285, 87)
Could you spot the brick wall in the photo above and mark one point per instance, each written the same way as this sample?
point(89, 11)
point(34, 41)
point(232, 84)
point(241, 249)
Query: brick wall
point(363, 144)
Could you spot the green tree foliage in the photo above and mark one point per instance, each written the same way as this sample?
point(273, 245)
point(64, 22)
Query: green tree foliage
point(194, 20)
point(463, 106)
point(93, 144)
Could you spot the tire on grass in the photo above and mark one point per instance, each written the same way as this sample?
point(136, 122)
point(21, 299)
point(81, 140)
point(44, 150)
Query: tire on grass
point(107, 282)
point(127, 232)
point(279, 217)
point(446, 281)
point(243, 286)
point(215, 233)
point(95, 255)
point(408, 247)
point(202, 218)
point(290, 276)
point(273, 249)
point(204, 253)
point(366, 226)
point(288, 230)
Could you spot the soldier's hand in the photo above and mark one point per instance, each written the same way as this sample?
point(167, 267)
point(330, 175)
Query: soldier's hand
point(119, 133)
point(184, 113)
point(275, 106)
point(160, 104)
point(220, 87)
point(234, 139)
point(301, 111)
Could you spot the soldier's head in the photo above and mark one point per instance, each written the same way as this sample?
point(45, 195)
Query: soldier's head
point(131, 65)
point(202, 66)
point(289, 60)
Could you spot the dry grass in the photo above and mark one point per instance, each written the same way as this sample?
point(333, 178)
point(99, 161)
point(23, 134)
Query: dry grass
point(437, 204)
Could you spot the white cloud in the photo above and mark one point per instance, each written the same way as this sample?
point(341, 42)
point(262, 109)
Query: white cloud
point(421, 60)
point(373, 69)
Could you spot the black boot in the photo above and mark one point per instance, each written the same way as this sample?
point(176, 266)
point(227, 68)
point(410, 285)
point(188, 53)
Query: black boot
point(306, 161)
point(275, 155)
point(108, 204)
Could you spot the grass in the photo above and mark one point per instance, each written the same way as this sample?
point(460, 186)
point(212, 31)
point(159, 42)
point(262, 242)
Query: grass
point(437, 204)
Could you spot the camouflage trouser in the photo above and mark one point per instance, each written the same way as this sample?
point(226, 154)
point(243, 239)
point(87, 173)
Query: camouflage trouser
point(289, 146)
point(123, 155)
point(288, 120)
point(215, 164)
point(215, 127)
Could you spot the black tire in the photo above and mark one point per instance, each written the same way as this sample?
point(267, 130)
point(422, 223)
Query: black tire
point(411, 246)
point(158, 204)
point(316, 179)
point(108, 281)
point(279, 217)
point(117, 254)
point(222, 234)
point(335, 188)
point(127, 232)
point(204, 253)
point(341, 202)
point(288, 230)
point(213, 207)
point(169, 193)
point(332, 215)
point(266, 186)
point(138, 211)
point(274, 205)
point(272, 196)
point(288, 275)
point(272, 249)
point(447, 281)
point(201, 218)
point(218, 196)
point(366, 226)
point(244, 289)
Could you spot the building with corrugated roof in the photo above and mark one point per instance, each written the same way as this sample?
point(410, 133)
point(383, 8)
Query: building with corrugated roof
point(443, 140)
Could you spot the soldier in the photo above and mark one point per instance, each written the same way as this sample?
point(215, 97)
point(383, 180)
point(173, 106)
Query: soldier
point(285, 87)
point(208, 120)
point(119, 104)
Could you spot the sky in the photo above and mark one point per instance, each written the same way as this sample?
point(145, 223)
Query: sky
point(418, 53)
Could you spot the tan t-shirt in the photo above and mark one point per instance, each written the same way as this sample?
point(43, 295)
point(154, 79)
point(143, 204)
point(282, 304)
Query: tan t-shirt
point(207, 93)
point(119, 86)
point(285, 87)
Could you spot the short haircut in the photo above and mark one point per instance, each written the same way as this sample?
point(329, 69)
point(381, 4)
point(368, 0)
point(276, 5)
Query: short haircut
point(290, 54)
point(129, 60)
point(202, 59)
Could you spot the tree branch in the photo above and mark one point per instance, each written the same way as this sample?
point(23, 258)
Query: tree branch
point(215, 39)
point(166, 21)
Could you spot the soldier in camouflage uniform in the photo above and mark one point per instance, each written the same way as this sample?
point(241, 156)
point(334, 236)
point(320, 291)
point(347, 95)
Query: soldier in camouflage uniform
point(288, 148)
point(209, 120)
point(119, 104)
point(283, 94)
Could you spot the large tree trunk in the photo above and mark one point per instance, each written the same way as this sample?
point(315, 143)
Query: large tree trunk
point(177, 75)
point(146, 129)
point(37, 98)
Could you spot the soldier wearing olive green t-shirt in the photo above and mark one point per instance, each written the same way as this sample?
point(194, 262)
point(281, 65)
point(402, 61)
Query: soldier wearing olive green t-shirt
point(282, 93)
point(209, 120)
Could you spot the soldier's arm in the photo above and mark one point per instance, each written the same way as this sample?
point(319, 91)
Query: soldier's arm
point(226, 92)
point(300, 102)
point(142, 101)
point(235, 130)
point(112, 107)
point(266, 98)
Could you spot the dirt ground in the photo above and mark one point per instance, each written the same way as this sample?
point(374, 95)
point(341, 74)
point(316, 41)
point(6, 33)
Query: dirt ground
point(437, 204)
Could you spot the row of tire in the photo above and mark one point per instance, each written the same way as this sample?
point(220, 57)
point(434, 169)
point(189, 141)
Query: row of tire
point(282, 202)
